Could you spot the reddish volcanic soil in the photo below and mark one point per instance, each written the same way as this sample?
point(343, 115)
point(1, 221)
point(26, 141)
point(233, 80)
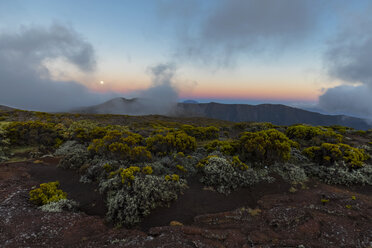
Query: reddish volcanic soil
point(279, 218)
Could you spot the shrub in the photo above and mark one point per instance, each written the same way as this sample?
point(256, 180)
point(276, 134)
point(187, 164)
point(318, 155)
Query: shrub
point(140, 154)
point(46, 193)
point(341, 129)
point(74, 155)
point(147, 170)
point(307, 135)
point(34, 133)
point(328, 154)
point(181, 168)
point(121, 145)
point(59, 206)
point(127, 175)
point(99, 169)
point(171, 142)
point(173, 177)
point(225, 147)
point(224, 176)
point(131, 203)
point(340, 174)
point(4, 143)
point(201, 133)
point(265, 146)
point(87, 131)
point(239, 164)
point(260, 126)
point(360, 132)
point(203, 162)
point(291, 173)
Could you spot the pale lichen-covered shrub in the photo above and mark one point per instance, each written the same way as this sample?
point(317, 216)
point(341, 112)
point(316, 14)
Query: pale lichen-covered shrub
point(161, 167)
point(59, 206)
point(99, 168)
point(131, 203)
point(340, 173)
point(265, 146)
point(74, 155)
point(67, 147)
point(224, 177)
point(290, 172)
point(297, 157)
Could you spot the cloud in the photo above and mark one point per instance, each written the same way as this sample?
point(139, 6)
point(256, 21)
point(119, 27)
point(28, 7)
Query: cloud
point(348, 99)
point(235, 27)
point(162, 96)
point(349, 59)
point(25, 82)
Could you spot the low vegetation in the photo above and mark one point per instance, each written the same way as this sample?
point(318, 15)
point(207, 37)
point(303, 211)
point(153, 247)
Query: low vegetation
point(47, 193)
point(4, 143)
point(328, 154)
point(309, 135)
point(141, 163)
point(265, 146)
point(178, 141)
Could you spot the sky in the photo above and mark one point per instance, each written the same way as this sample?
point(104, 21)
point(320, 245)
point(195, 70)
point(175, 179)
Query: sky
point(56, 55)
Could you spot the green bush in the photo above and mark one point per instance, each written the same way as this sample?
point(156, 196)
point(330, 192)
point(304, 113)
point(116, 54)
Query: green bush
point(360, 133)
point(121, 145)
point(239, 164)
point(225, 147)
point(201, 133)
point(34, 133)
point(328, 154)
point(341, 129)
point(46, 193)
point(4, 143)
point(309, 135)
point(179, 141)
point(265, 146)
point(87, 131)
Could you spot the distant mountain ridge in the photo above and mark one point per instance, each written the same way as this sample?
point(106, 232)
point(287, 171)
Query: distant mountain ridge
point(275, 113)
point(6, 108)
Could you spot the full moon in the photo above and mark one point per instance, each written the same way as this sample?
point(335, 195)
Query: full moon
point(102, 82)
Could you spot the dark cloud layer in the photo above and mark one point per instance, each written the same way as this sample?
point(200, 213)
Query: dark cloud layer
point(349, 59)
point(26, 83)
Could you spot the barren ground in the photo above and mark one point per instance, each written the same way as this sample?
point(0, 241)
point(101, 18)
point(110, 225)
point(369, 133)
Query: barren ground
point(266, 215)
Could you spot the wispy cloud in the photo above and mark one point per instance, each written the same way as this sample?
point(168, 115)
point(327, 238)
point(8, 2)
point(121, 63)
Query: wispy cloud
point(228, 29)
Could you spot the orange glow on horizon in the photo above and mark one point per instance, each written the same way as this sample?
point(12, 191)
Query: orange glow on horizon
point(248, 93)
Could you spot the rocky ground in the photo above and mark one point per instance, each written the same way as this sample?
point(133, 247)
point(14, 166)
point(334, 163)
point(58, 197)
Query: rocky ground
point(269, 216)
